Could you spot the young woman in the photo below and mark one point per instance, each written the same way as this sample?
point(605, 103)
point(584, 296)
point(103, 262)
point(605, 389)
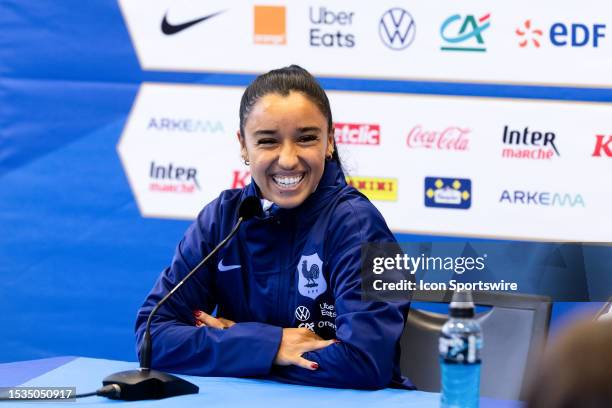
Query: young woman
point(287, 288)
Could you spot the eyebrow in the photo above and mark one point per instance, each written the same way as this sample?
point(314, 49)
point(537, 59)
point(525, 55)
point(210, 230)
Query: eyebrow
point(268, 132)
point(264, 132)
point(309, 129)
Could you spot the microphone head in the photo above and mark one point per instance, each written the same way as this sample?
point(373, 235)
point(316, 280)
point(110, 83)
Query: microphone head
point(250, 207)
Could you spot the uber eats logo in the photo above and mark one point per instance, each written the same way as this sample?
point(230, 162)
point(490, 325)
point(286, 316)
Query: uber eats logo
point(331, 28)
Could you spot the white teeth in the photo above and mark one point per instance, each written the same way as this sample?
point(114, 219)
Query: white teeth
point(285, 181)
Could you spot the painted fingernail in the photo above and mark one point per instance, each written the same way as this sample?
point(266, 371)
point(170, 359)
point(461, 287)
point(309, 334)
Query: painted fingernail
point(314, 366)
point(198, 323)
point(197, 313)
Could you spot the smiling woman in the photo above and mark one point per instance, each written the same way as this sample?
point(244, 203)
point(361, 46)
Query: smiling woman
point(287, 288)
point(286, 141)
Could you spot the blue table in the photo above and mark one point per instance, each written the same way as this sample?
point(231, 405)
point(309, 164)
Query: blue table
point(86, 375)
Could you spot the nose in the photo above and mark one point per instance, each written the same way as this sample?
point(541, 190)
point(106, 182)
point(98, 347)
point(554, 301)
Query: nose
point(288, 156)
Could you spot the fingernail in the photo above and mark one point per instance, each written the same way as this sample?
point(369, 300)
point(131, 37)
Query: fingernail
point(197, 313)
point(314, 366)
point(198, 323)
point(337, 341)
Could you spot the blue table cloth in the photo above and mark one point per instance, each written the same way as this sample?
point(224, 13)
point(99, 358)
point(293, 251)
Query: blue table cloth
point(86, 375)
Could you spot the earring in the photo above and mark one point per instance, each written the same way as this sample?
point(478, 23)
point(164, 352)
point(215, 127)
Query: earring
point(246, 162)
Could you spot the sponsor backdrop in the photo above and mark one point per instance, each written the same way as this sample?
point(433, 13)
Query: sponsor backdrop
point(118, 121)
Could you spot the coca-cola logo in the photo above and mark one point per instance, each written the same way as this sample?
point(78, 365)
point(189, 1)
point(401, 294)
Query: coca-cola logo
point(451, 138)
point(357, 133)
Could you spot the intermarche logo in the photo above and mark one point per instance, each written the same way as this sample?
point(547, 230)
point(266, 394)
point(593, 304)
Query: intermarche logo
point(444, 192)
point(464, 33)
point(450, 138)
point(603, 146)
point(375, 188)
point(529, 144)
point(397, 29)
point(170, 178)
point(357, 133)
point(541, 198)
point(269, 25)
point(529, 35)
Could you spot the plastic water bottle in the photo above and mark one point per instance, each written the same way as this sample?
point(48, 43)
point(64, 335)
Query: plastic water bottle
point(460, 345)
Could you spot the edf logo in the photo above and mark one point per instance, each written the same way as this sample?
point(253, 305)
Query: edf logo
point(576, 35)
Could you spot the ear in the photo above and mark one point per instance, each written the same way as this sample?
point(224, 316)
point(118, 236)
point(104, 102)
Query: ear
point(330, 143)
point(243, 149)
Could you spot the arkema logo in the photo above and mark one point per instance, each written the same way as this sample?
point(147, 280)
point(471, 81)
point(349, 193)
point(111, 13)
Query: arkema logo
point(443, 192)
point(357, 133)
point(541, 198)
point(184, 125)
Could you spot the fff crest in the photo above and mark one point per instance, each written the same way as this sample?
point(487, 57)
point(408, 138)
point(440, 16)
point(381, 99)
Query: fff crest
point(311, 281)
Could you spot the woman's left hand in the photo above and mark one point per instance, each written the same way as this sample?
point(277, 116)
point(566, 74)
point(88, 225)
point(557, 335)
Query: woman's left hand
point(206, 320)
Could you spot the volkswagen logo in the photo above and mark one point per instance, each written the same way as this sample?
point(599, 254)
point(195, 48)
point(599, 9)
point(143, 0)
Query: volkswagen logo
point(302, 313)
point(396, 28)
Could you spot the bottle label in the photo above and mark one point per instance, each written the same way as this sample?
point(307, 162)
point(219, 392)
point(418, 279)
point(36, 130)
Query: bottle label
point(461, 350)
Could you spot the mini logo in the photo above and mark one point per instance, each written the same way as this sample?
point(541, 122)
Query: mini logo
point(302, 313)
point(357, 133)
point(311, 282)
point(603, 147)
point(464, 33)
point(448, 192)
point(528, 35)
point(397, 29)
point(327, 310)
point(309, 326)
point(529, 144)
point(270, 25)
point(223, 268)
point(170, 29)
point(381, 189)
point(171, 178)
point(451, 138)
point(541, 198)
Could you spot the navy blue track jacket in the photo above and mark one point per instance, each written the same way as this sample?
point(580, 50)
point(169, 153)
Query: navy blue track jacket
point(289, 268)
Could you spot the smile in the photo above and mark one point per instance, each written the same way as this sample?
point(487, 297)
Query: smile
point(288, 182)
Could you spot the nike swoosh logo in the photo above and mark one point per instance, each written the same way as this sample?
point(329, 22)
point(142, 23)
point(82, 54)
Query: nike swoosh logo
point(170, 29)
point(223, 268)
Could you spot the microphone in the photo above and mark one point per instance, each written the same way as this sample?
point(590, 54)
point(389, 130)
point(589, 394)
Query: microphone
point(136, 385)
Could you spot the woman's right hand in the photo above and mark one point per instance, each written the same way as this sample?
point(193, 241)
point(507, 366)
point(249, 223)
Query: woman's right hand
point(296, 342)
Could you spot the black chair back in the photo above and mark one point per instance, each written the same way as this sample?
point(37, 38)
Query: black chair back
point(514, 334)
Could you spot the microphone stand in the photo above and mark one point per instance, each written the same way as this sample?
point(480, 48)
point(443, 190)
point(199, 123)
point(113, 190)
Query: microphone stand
point(145, 383)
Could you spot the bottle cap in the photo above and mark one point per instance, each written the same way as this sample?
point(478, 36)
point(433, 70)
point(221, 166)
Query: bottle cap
point(462, 304)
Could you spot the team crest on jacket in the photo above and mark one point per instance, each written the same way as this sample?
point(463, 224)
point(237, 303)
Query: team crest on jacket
point(311, 281)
